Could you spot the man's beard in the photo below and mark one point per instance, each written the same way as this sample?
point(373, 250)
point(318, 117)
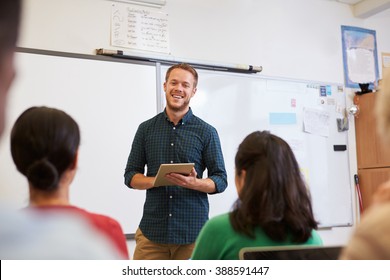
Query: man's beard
point(180, 108)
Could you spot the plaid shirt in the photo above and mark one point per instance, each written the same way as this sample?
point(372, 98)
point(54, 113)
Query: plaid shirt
point(173, 214)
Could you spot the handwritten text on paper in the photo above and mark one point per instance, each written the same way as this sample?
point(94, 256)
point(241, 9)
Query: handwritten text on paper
point(139, 28)
point(316, 121)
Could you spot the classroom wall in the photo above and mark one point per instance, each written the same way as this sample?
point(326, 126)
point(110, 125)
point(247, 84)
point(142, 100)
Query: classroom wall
point(380, 23)
point(298, 39)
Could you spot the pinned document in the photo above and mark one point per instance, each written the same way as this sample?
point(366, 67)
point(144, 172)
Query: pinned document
point(316, 121)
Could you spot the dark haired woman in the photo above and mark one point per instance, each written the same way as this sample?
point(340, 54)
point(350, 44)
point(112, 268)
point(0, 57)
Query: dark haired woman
point(44, 147)
point(273, 208)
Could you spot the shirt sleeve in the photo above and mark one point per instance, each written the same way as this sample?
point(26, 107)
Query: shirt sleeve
point(215, 163)
point(137, 159)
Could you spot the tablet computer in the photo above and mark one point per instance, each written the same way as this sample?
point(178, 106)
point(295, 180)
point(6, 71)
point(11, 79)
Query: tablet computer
point(165, 168)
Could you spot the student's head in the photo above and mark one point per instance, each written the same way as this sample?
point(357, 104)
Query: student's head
point(44, 144)
point(9, 26)
point(272, 193)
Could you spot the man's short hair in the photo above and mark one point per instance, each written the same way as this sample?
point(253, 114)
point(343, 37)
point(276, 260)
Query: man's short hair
point(186, 67)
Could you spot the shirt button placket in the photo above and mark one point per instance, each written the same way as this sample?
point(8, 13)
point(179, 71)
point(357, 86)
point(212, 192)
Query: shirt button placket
point(170, 203)
point(172, 144)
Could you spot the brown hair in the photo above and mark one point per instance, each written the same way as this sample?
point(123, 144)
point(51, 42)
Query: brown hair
point(186, 67)
point(274, 196)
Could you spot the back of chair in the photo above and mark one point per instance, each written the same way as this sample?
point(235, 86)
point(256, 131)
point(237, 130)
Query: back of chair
point(290, 253)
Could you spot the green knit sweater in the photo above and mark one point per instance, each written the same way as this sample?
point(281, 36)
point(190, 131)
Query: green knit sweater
point(219, 241)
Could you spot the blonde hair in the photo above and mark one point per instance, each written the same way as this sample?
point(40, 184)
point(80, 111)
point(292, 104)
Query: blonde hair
point(382, 107)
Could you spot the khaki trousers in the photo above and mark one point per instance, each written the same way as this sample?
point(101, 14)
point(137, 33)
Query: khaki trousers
point(148, 250)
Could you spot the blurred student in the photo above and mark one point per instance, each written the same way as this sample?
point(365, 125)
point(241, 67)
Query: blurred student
point(382, 111)
point(371, 238)
point(382, 194)
point(44, 147)
point(273, 206)
point(9, 28)
point(25, 235)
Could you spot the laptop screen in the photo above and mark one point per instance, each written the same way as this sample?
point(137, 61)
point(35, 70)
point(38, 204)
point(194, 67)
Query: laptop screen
point(290, 253)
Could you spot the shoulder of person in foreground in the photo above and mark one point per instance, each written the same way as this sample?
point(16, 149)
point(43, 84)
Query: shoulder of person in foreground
point(58, 236)
point(112, 229)
point(315, 238)
point(370, 241)
point(382, 194)
point(208, 245)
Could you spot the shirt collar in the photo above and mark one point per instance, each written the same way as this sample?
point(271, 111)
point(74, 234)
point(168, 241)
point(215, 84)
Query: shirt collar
point(187, 117)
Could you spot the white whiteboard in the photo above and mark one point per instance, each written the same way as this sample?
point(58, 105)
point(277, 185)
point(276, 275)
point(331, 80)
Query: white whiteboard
point(108, 100)
point(238, 104)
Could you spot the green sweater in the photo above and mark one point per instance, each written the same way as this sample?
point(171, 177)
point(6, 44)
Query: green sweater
point(219, 241)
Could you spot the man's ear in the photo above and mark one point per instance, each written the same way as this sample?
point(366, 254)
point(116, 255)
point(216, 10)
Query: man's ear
point(194, 91)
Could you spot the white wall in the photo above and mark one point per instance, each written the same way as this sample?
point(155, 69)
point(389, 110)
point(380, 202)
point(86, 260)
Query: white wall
point(380, 23)
point(298, 39)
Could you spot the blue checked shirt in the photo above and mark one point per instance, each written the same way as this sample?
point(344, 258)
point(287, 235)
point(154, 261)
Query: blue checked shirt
point(173, 214)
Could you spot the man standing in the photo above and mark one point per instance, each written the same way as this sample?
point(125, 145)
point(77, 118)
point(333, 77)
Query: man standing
point(173, 215)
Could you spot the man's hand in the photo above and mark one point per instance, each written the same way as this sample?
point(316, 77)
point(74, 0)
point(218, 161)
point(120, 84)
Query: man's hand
point(190, 181)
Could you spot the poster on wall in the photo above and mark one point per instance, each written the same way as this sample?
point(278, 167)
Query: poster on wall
point(360, 56)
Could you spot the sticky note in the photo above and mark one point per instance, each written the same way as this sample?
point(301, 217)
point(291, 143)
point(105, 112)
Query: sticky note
point(328, 90)
point(282, 118)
